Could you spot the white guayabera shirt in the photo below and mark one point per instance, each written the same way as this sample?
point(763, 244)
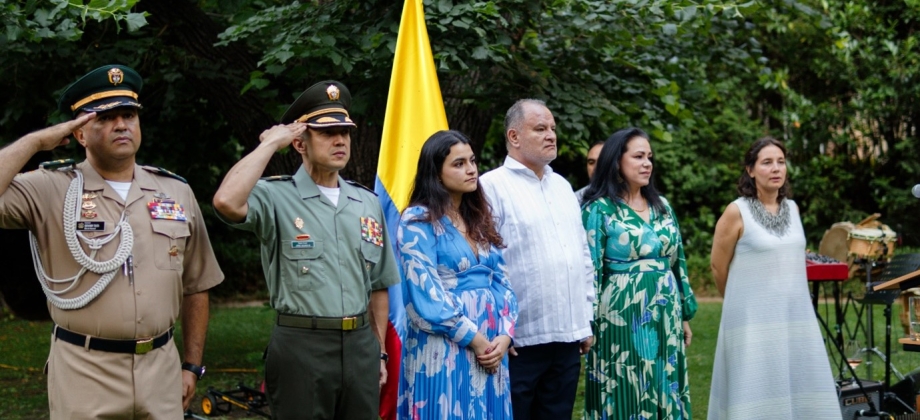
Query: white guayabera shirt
point(547, 257)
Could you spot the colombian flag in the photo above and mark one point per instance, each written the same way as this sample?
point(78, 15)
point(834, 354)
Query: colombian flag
point(415, 111)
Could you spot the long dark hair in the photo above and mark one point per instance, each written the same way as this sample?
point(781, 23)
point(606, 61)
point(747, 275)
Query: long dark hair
point(746, 186)
point(429, 192)
point(608, 180)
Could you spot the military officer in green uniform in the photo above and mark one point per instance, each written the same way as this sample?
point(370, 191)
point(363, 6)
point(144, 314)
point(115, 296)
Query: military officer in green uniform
point(120, 250)
point(327, 260)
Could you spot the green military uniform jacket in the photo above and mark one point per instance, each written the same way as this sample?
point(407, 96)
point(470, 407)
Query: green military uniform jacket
point(320, 259)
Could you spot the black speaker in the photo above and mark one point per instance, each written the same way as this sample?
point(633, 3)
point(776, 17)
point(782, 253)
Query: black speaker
point(853, 400)
point(908, 388)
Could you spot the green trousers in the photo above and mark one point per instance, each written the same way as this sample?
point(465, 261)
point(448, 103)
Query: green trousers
point(323, 374)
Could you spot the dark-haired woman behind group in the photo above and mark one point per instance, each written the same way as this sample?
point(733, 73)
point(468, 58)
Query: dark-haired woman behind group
point(637, 367)
point(459, 304)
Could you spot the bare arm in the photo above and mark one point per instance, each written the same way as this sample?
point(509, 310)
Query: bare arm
point(230, 198)
point(728, 230)
point(379, 314)
point(17, 154)
point(195, 314)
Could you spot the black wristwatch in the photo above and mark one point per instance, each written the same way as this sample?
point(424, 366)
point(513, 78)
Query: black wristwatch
point(385, 357)
point(197, 370)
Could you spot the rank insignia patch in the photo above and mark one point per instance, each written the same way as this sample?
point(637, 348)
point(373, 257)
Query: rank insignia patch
point(166, 209)
point(371, 231)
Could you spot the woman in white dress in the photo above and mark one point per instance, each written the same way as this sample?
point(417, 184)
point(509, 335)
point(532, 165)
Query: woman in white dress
point(770, 361)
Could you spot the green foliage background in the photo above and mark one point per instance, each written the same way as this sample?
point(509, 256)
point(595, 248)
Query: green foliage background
point(836, 80)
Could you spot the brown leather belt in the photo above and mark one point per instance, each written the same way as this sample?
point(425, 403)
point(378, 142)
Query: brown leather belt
point(139, 346)
point(323, 323)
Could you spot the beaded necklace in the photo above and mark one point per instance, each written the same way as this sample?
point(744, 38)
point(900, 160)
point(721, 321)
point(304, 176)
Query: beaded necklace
point(777, 224)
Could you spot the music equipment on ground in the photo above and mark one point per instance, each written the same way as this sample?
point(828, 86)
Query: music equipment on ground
point(908, 389)
point(853, 400)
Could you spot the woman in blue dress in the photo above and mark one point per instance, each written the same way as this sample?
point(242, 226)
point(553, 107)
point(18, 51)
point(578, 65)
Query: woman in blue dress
point(459, 304)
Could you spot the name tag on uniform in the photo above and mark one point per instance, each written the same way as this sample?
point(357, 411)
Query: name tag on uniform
point(302, 244)
point(91, 226)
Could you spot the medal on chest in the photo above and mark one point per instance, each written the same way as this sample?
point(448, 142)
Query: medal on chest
point(371, 231)
point(163, 207)
point(87, 206)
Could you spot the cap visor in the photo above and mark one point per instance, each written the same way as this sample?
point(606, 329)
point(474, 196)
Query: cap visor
point(330, 120)
point(109, 104)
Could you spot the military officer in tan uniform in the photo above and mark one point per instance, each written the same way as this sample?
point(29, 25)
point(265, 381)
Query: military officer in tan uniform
point(327, 260)
point(121, 251)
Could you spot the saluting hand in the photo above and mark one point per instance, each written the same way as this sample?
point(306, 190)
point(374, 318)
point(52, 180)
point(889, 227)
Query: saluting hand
point(58, 134)
point(282, 135)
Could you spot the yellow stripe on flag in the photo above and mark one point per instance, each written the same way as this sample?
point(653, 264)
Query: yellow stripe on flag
point(415, 109)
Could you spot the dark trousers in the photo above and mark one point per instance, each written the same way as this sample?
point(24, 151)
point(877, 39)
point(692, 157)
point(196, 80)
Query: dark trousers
point(323, 374)
point(544, 379)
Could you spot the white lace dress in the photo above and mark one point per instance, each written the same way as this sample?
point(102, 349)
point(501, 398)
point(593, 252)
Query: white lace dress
point(770, 360)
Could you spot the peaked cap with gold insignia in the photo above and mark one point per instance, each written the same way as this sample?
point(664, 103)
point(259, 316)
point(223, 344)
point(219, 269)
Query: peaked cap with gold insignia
point(324, 104)
point(102, 89)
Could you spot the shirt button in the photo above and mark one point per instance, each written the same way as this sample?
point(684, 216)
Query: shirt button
point(304, 270)
point(138, 292)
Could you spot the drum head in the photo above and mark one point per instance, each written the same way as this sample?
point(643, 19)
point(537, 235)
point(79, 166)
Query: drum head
point(834, 243)
point(874, 234)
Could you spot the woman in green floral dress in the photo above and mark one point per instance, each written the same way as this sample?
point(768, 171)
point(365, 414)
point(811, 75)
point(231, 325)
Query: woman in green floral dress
point(637, 367)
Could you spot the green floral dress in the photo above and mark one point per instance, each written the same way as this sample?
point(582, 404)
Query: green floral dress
point(637, 367)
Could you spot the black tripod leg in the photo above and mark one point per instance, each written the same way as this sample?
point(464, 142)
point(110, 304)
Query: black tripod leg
point(827, 330)
point(887, 348)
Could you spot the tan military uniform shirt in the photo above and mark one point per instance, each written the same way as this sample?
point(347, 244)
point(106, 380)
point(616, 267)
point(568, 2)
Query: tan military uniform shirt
point(320, 259)
point(171, 257)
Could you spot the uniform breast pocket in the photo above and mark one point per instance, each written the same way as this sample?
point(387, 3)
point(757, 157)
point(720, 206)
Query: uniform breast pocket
point(371, 254)
point(169, 241)
point(302, 264)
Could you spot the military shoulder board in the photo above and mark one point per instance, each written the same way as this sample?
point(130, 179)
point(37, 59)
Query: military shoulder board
point(361, 186)
point(164, 172)
point(59, 165)
point(277, 178)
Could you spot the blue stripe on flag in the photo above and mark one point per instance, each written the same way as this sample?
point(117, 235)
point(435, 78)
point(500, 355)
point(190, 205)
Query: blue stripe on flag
point(391, 213)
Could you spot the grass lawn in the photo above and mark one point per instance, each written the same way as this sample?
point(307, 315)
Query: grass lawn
point(237, 336)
